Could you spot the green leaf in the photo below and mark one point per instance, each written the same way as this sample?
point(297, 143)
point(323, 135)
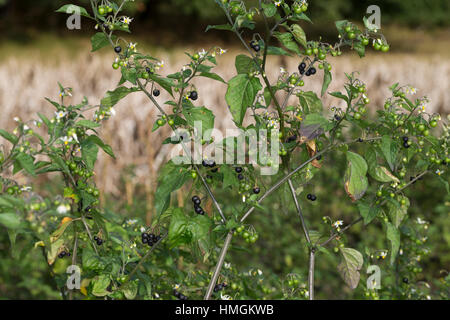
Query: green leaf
point(106, 148)
point(178, 229)
point(100, 285)
point(129, 74)
point(99, 41)
point(130, 290)
point(8, 136)
point(241, 94)
point(327, 77)
point(393, 235)
point(269, 9)
point(244, 64)
point(229, 177)
point(170, 179)
point(219, 27)
point(89, 152)
point(287, 40)
point(201, 114)
point(299, 34)
point(396, 211)
point(165, 83)
point(389, 150)
point(310, 102)
point(72, 9)
point(87, 124)
point(351, 263)
point(10, 220)
point(355, 181)
point(382, 174)
point(26, 162)
point(339, 95)
point(368, 211)
point(113, 97)
point(212, 75)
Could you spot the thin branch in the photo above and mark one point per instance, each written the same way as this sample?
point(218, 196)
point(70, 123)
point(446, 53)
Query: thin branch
point(312, 256)
point(89, 234)
point(299, 210)
point(218, 267)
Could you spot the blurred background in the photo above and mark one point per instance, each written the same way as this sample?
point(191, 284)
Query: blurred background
point(37, 51)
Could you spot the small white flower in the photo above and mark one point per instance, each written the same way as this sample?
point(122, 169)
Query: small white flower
point(282, 70)
point(63, 209)
point(16, 119)
point(307, 293)
point(130, 222)
point(159, 65)
point(66, 140)
point(60, 114)
point(176, 287)
point(132, 45)
point(202, 53)
point(133, 245)
point(278, 3)
point(127, 20)
point(338, 223)
point(25, 189)
point(420, 221)
point(411, 90)
point(222, 51)
point(25, 127)
point(259, 272)
point(422, 108)
point(439, 172)
point(383, 254)
point(156, 295)
point(225, 297)
point(142, 229)
point(227, 265)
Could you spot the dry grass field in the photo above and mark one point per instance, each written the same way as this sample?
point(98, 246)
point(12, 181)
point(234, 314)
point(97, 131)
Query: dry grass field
point(27, 77)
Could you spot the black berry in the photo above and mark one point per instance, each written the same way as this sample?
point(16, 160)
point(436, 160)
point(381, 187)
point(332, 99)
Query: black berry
point(302, 65)
point(196, 200)
point(405, 280)
point(256, 48)
point(193, 95)
point(313, 70)
point(405, 139)
point(256, 190)
point(406, 144)
point(118, 49)
point(311, 197)
point(360, 140)
point(149, 71)
point(156, 92)
point(238, 169)
point(240, 176)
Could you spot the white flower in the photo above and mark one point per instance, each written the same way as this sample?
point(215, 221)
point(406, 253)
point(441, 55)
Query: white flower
point(25, 189)
point(142, 229)
point(66, 140)
point(307, 293)
point(156, 295)
point(422, 108)
point(202, 53)
point(130, 222)
point(63, 209)
point(60, 114)
point(420, 221)
point(282, 70)
point(338, 223)
point(439, 172)
point(16, 119)
point(132, 45)
point(133, 245)
point(227, 265)
point(383, 254)
point(259, 272)
point(278, 3)
point(411, 90)
point(225, 297)
point(176, 287)
point(222, 51)
point(127, 20)
point(159, 65)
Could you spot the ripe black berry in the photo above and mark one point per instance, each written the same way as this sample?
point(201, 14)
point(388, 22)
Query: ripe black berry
point(256, 190)
point(257, 48)
point(302, 71)
point(218, 287)
point(240, 176)
point(193, 95)
point(313, 70)
point(156, 92)
point(95, 238)
point(302, 65)
point(337, 118)
point(405, 280)
point(198, 210)
point(405, 139)
point(196, 200)
point(205, 163)
point(308, 73)
point(118, 49)
point(149, 71)
point(99, 241)
point(292, 138)
point(360, 140)
point(238, 169)
point(406, 144)
point(215, 169)
point(311, 197)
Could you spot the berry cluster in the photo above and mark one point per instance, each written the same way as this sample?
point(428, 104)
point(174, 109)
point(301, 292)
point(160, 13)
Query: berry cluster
point(311, 70)
point(250, 237)
point(311, 197)
point(218, 287)
point(98, 240)
point(255, 45)
point(179, 295)
point(198, 209)
point(150, 239)
point(63, 254)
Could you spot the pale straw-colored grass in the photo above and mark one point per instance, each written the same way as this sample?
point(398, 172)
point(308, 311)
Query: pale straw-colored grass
point(25, 82)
